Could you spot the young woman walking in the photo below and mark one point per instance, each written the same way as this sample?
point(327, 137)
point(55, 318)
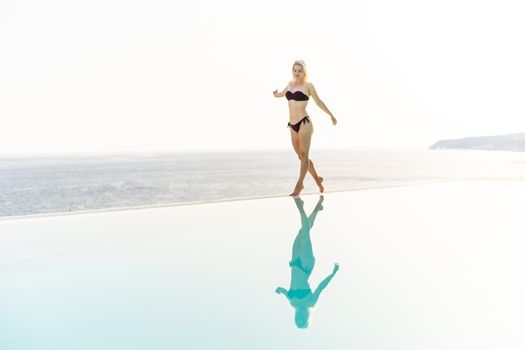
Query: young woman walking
point(298, 92)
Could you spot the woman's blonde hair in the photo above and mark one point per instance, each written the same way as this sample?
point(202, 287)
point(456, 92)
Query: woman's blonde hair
point(302, 64)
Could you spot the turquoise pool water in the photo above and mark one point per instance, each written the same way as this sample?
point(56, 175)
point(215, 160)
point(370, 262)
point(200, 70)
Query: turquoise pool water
point(433, 266)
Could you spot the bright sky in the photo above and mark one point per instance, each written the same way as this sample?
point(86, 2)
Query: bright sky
point(114, 75)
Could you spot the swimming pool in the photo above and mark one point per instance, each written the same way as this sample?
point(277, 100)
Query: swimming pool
point(424, 266)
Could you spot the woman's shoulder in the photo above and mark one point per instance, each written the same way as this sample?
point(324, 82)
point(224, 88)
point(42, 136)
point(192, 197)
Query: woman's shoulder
point(310, 87)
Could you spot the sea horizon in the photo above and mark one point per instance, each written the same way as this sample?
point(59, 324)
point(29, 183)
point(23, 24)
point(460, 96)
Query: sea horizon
point(75, 182)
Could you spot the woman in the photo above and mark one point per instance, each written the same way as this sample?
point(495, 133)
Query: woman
point(300, 295)
point(298, 92)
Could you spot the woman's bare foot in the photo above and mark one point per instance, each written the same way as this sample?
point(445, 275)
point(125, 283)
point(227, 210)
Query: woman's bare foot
point(298, 200)
point(297, 190)
point(319, 183)
point(319, 205)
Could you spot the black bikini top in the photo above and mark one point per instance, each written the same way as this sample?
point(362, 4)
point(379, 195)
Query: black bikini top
point(296, 96)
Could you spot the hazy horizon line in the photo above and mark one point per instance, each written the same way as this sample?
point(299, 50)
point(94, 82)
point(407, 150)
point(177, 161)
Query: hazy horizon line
point(203, 150)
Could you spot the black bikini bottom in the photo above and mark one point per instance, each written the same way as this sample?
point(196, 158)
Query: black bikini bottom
point(299, 293)
point(297, 126)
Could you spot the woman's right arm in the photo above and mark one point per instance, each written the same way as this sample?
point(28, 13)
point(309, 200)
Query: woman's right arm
point(280, 94)
point(281, 290)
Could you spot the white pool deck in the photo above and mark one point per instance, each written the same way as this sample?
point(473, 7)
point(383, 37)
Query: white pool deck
point(425, 266)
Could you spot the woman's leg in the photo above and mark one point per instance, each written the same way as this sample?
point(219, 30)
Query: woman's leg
point(302, 248)
point(295, 141)
point(305, 135)
point(302, 245)
point(318, 207)
point(318, 179)
point(311, 169)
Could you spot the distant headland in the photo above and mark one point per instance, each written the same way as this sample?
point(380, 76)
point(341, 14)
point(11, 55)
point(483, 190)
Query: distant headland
point(508, 142)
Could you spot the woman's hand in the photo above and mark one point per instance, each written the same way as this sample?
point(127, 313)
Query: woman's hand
point(280, 290)
point(336, 268)
point(334, 121)
point(276, 93)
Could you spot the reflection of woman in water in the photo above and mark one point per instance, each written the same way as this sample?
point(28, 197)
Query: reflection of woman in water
point(300, 295)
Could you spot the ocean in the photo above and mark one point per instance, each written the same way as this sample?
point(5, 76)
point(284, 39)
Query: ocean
point(52, 184)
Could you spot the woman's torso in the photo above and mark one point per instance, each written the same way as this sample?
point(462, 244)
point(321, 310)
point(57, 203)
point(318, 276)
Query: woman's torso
point(301, 269)
point(297, 109)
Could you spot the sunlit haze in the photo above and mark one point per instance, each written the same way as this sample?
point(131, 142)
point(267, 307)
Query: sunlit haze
point(112, 75)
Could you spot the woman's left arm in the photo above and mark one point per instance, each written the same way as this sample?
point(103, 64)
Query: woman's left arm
point(324, 283)
point(320, 103)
